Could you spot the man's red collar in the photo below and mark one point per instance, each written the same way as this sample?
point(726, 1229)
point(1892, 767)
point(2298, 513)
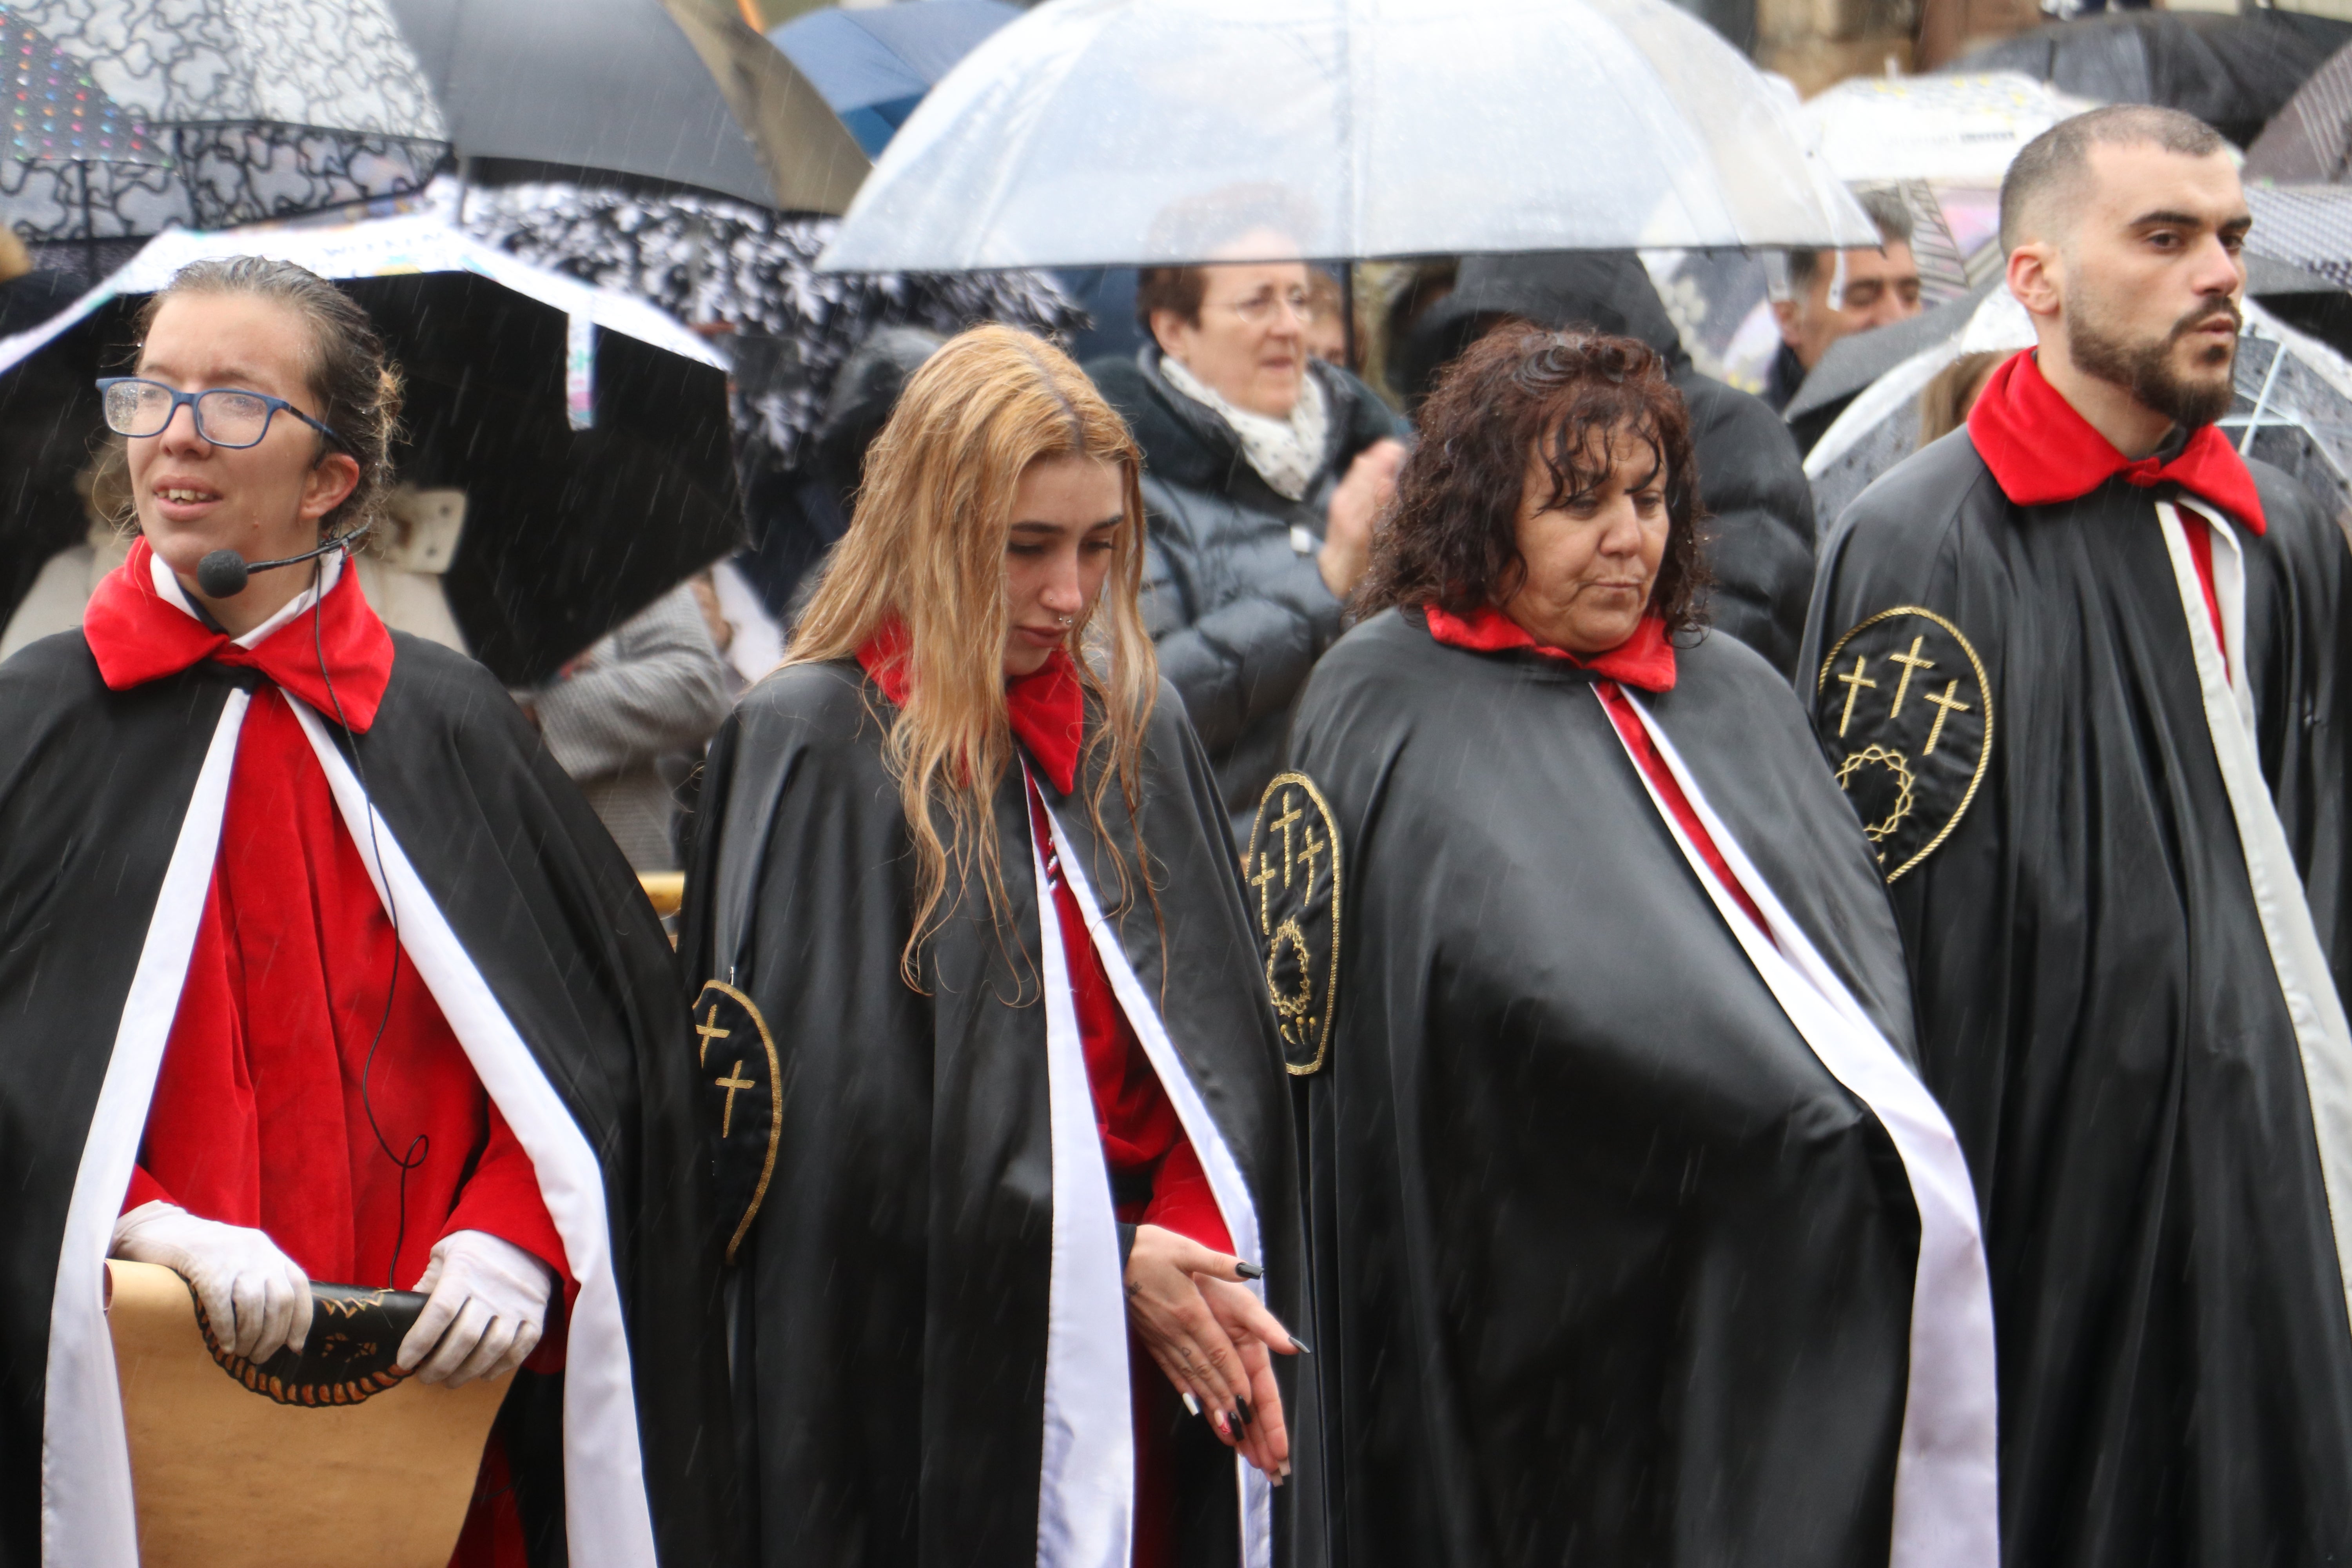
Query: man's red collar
point(1047, 709)
point(2040, 451)
point(1644, 660)
point(137, 637)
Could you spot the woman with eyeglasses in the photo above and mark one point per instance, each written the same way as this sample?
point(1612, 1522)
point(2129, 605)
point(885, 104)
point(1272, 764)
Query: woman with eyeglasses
point(318, 974)
point(1264, 468)
point(1010, 1116)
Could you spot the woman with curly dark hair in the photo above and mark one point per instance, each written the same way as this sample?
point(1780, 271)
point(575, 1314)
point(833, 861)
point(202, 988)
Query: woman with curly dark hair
point(1640, 1240)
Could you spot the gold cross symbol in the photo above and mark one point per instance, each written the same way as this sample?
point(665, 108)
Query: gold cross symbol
point(1262, 882)
point(733, 1081)
point(710, 1030)
point(1855, 681)
point(1290, 814)
point(1946, 706)
point(1314, 851)
point(1911, 662)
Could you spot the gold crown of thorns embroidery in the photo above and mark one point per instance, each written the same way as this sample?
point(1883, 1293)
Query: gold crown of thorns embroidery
point(1291, 869)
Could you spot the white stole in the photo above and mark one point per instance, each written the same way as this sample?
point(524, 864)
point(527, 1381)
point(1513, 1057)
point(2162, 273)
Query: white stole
point(1947, 1468)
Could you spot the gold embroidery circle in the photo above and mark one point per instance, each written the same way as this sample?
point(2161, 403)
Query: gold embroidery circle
point(775, 1108)
point(1249, 857)
point(1984, 686)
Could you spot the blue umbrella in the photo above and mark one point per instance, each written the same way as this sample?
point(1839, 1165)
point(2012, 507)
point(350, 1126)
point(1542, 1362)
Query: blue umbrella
point(874, 66)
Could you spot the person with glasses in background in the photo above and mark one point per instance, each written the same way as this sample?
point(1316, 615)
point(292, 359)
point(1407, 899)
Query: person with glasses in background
point(1264, 468)
point(321, 978)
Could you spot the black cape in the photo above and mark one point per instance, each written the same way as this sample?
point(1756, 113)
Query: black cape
point(891, 1348)
point(94, 786)
point(1751, 476)
point(2098, 1009)
point(1609, 1268)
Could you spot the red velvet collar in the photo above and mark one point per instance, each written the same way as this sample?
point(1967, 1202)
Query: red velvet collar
point(137, 637)
point(1047, 709)
point(2040, 451)
point(1644, 660)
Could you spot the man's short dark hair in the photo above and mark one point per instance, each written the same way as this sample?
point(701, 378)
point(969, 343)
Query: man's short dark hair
point(2061, 154)
point(1886, 209)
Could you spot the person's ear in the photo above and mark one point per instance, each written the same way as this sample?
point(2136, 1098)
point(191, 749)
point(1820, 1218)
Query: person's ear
point(1784, 311)
point(1171, 332)
point(2037, 276)
point(329, 484)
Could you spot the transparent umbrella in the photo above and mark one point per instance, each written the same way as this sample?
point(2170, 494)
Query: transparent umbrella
point(1095, 132)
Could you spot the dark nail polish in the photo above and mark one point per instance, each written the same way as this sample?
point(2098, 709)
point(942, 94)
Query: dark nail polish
point(1299, 1345)
point(1249, 1271)
point(1241, 1411)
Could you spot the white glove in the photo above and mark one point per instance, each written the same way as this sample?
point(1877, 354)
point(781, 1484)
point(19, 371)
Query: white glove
point(491, 1296)
point(257, 1300)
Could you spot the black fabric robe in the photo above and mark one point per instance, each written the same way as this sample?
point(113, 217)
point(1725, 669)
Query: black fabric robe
point(1609, 1268)
point(94, 785)
point(892, 1329)
point(2099, 1011)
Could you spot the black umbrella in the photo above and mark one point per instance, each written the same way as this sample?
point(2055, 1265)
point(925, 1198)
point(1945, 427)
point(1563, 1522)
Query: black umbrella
point(568, 532)
point(2233, 72)
point(531, 89)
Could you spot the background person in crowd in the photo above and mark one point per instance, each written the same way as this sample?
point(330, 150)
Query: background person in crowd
point(647, 691)
point(966, 793)
point(234, 1056)
point(2084, 670)
point(1637, 1239)
point(1758, 530)
point(1881, 287)
point(1263, 469)
point(1951, 392)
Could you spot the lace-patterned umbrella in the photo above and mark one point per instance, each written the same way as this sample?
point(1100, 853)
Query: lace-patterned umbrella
point(129, 117)
point(204, 115)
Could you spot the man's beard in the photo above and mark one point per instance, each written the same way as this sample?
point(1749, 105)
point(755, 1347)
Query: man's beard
point(2146, 370)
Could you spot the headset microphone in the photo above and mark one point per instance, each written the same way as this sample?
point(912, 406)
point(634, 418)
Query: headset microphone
point(223, 574)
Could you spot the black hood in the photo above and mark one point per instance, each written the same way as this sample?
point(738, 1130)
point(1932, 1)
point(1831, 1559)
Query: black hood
point(1610, 290)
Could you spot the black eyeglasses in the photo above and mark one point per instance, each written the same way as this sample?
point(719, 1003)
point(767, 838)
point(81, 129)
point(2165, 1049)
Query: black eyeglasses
point(225, 416)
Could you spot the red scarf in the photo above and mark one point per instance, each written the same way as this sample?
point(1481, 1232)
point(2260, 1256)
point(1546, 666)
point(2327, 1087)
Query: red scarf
point(1644, 660)
point(2040, 451)
point(137, 637)
point(1047, 709)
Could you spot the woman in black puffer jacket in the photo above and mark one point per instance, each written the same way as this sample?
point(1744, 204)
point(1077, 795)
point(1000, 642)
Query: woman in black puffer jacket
point(1264, 468)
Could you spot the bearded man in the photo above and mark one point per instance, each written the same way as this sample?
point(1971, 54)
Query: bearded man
point(2081, 669)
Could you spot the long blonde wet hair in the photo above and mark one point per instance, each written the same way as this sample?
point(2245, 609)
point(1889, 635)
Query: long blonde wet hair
point(926, 546)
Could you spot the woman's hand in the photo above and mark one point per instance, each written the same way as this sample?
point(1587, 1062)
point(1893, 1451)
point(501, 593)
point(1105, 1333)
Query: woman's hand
point(1211, 1335)
point(1354, 507)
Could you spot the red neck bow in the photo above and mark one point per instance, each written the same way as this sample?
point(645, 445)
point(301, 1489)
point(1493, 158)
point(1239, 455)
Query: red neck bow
point(138, 636)
point(2040, 451)
point(1644, 660)
point(1047, 709)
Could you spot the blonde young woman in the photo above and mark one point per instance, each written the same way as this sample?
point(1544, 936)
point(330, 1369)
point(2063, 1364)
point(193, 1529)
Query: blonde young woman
point(1027, 1193)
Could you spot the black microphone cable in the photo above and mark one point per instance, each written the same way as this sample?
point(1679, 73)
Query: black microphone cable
point(422, 1144)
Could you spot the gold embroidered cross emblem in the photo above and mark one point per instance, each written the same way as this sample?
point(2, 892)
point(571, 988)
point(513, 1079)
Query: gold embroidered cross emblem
point(1911, 663)
point(1263, 882)
point(1285, 822)
point(732, 1081)
point(1855, 681)
point(1945, 705)
point(710, 1030)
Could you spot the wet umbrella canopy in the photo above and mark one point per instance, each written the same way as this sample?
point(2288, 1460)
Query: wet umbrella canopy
point(2232, 72)
point(627, 85)
point(1148, 130)
point(874, 64)
point(569, 530)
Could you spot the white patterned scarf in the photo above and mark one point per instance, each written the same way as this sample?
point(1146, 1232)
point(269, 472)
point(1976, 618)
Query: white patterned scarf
point(1287, 453)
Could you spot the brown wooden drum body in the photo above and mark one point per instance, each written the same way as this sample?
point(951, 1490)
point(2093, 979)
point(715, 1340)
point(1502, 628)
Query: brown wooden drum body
point(227, 1477)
